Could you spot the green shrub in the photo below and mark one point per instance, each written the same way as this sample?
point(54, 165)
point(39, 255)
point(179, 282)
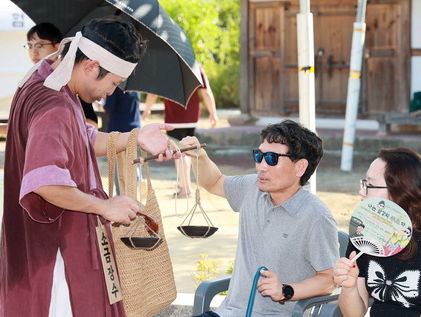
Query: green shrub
point(230, 268)
point(209, 269)
point(213, 27)
point(206, 269)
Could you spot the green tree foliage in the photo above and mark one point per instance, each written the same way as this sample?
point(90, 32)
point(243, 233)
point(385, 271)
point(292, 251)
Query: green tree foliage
point(213, 27)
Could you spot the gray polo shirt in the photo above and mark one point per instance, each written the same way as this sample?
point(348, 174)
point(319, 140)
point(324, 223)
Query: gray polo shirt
point(295, 240)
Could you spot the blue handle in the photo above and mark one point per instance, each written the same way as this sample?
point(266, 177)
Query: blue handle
point(253, 291)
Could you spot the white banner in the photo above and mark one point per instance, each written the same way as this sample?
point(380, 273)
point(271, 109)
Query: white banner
point(12, 18)
point(416, 24)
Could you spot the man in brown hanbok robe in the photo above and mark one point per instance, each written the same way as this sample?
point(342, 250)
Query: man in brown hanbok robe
point(53, 197)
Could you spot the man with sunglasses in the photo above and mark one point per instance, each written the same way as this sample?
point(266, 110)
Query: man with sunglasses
point(282, 226)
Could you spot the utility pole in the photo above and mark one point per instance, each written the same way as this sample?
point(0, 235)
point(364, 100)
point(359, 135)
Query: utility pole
point(354, 87)
point(306, 87)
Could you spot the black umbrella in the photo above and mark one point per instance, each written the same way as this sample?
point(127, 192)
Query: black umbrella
point(168, 69)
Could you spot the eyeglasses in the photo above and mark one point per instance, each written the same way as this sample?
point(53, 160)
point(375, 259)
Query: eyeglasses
point(38, 46)
point(271, 158)
point(365, 186)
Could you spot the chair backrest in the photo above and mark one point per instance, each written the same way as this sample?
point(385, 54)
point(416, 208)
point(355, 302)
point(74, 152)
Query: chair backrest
point(343, 239)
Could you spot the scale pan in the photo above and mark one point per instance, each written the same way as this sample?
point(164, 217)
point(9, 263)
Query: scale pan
point(197, 231)
point(141, 242)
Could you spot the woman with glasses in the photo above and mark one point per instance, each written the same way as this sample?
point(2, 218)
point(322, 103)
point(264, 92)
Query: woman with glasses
point(392, 282)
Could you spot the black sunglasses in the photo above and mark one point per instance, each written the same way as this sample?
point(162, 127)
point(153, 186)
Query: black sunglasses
point(271, 158)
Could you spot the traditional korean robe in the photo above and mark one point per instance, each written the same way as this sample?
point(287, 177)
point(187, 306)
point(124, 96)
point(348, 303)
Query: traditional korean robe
point(48, 143)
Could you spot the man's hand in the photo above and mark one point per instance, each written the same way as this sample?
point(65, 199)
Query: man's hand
point(192, 141)
point(120, 209)
point(151, 139)
point(214, 180)
point(270, 285)
point(346, 272)
point(213, 119)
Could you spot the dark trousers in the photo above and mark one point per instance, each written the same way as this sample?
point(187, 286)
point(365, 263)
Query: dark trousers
point(181, 133)
point(208, 314)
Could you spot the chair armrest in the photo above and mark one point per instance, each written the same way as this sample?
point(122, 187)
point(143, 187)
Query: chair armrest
point(206, 292)
point(303, 304)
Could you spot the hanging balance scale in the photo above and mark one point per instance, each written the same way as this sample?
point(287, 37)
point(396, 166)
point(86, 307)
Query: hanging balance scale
point(132, 239)
point(186, 227)
point(196, 231)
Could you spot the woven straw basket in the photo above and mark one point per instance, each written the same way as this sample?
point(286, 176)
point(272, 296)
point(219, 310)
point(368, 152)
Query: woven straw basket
point(146, 276)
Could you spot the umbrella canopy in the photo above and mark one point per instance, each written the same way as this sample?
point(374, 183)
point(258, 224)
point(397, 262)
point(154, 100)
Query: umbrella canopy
point(168, 69)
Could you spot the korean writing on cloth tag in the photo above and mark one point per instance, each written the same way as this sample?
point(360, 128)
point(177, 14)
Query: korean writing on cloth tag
point(108, 265)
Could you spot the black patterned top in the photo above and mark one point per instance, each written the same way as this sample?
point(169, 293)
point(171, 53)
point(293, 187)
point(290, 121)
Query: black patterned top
point(392, 283)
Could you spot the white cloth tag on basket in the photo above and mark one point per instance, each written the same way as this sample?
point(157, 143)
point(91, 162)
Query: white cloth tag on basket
point(108, 265)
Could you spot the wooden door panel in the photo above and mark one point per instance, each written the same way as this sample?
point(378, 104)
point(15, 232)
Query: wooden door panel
point(333, 35)
point(289, 49)
point(290, 90)
point(386, 75)
point(265, 57)
point(289, 75)
point(336, 4)
point(382, 21)
point(267, 92)
point(381, 74)
point(267, 20)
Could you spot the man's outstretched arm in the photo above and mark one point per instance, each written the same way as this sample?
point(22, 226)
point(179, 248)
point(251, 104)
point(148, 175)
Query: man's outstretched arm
point(208, 174)
point(150, 138)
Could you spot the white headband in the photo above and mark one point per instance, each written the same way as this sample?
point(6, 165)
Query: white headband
point(63, 72)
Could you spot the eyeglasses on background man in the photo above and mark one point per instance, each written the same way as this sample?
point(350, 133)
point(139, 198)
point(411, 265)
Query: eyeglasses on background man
point(38, 45)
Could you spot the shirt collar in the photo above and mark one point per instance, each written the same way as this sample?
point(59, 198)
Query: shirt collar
point(291, 205)
point(45, 68)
